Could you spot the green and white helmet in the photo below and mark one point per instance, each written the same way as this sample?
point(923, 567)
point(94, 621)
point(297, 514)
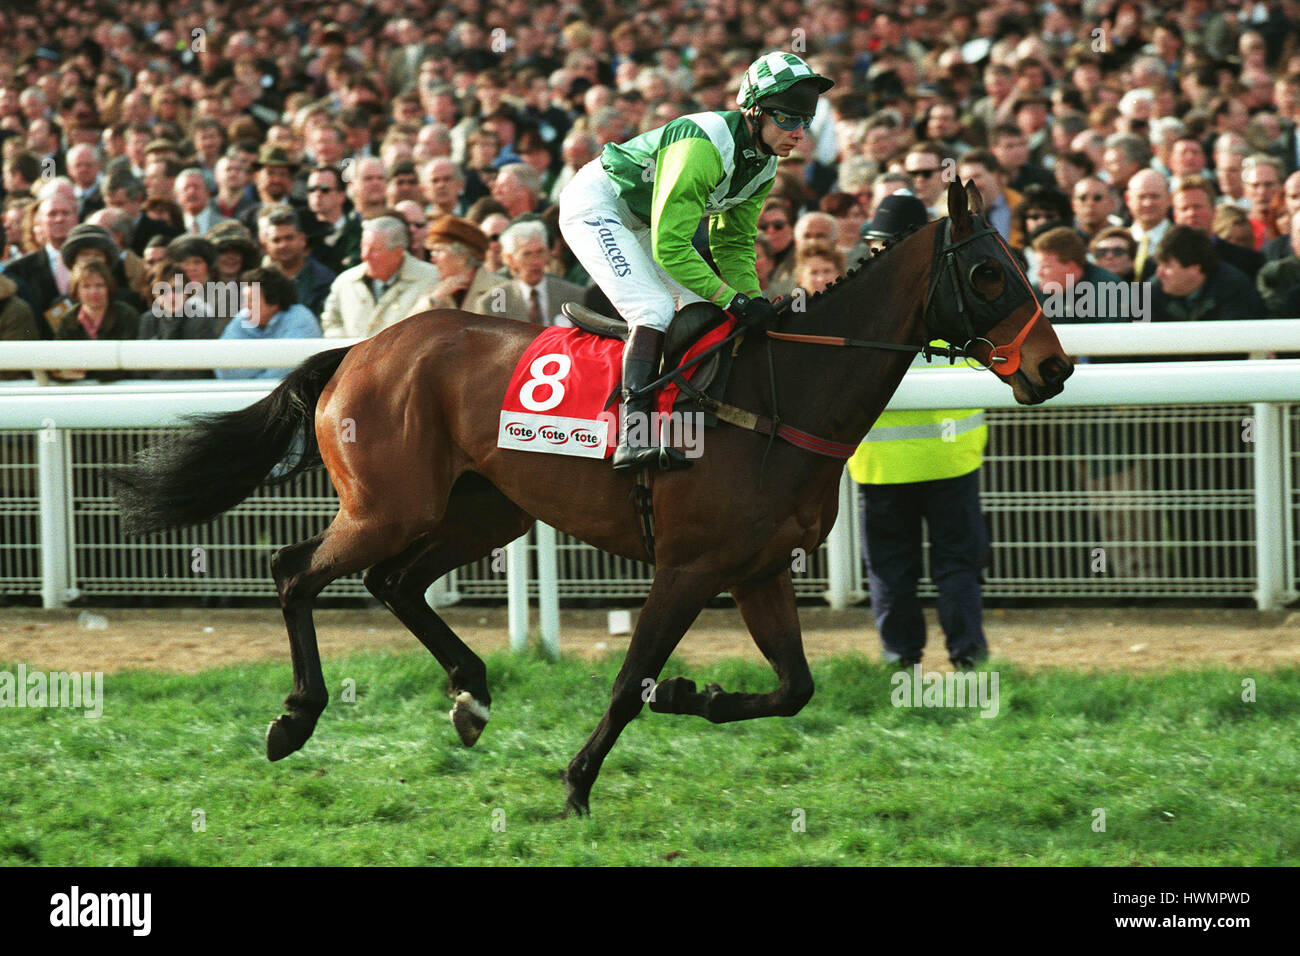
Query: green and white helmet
point(782, 80)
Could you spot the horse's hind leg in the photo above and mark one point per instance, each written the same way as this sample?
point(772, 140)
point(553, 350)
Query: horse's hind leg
point(770, 613)
point(479, 518)
point(301, 572)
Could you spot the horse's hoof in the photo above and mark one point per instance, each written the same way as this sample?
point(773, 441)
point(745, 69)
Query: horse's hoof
point(469, 717)
point(670, 694)
point(285, 735)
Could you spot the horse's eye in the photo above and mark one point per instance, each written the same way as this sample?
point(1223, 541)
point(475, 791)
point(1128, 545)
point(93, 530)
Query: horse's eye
point(988, 279)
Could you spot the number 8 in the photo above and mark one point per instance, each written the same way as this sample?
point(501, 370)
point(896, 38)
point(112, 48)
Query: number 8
point(529, 387)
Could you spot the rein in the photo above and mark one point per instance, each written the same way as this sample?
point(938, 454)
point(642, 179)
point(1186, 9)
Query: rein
point(773, 427)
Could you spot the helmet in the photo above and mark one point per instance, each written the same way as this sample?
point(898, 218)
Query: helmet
point(897, 213)
point(784, 81)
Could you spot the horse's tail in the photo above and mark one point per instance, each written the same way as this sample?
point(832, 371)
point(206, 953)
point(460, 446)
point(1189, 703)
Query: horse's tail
point(218, 461)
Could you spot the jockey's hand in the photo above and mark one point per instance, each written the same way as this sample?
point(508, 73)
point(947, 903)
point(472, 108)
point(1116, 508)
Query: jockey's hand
point(756, 313)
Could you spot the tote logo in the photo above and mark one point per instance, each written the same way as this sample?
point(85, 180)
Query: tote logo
point(558, 435)
point(609, 245)
point(519, 431)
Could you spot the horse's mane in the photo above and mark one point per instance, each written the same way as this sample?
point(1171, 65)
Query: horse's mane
point(850, 278)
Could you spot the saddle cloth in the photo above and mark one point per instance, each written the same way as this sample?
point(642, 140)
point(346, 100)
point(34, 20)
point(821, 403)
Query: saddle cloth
point(563, 396)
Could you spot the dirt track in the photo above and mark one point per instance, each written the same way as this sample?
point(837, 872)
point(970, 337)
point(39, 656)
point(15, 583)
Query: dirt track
point(188, 640)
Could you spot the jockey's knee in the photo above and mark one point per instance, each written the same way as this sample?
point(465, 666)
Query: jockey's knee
point(657, 320)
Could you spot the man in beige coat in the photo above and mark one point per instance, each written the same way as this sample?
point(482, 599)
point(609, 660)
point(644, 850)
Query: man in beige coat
point(383, 289)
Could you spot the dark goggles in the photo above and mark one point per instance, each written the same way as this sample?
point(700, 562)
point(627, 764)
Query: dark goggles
point(788, 121)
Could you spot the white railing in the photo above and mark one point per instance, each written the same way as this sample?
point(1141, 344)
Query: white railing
point(1112, 338)
point(53, 410)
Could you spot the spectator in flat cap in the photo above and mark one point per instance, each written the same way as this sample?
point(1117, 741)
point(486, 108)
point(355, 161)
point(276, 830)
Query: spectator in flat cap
point(235, 253)
point(458, 248)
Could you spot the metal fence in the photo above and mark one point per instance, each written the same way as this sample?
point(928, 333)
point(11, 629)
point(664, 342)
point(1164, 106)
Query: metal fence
point(1149, 501)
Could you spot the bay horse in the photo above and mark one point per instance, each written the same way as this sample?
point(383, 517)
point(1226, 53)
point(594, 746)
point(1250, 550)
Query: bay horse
point(406, 425)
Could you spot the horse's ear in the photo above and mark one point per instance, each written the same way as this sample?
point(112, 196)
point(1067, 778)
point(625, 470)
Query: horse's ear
point(974, 199)
point(958, 211)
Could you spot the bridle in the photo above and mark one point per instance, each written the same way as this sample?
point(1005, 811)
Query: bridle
point(946, 259)
point(945, 265)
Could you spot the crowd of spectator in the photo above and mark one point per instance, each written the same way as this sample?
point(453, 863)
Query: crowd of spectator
point(344, 165)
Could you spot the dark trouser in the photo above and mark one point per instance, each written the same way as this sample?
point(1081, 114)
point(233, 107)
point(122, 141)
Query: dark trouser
point(891, 535)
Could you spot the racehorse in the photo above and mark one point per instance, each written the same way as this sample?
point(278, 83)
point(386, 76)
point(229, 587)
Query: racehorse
point(406, 424)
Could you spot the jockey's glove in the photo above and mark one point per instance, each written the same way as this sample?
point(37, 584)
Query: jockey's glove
point(756, 313)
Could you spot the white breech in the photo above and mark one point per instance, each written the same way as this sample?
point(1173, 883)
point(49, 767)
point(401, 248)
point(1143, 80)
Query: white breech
point(618, 259)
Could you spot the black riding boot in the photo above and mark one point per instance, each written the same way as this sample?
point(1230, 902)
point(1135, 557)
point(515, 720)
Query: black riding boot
point(638, 438)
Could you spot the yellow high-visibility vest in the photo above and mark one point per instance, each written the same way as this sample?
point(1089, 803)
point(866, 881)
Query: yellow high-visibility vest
point(923, 445)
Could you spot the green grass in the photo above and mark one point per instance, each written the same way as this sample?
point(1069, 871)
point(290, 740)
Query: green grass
point(1185, 772)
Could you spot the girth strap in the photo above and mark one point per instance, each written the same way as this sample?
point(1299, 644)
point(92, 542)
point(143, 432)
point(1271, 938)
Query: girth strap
point(642, 496)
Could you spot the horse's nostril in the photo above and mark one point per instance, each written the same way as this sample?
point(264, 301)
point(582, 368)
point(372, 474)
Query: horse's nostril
point(1054, 371)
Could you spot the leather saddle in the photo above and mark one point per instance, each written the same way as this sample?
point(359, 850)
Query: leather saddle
point(686, 327)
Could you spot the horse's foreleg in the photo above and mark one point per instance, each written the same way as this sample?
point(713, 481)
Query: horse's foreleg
point(673, 604)
point(770, 613)
point(479, 518)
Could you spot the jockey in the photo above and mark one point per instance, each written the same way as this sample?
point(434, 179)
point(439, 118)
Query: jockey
point(630, 214)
